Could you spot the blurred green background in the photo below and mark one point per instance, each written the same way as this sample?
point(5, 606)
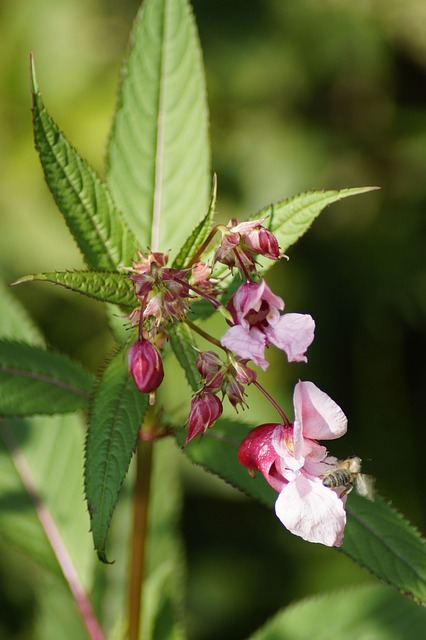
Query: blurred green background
point(303, 95)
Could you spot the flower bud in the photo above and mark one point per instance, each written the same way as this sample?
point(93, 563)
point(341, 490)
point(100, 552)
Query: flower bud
point(263, 242)
point(145, 365)
point(205, 410)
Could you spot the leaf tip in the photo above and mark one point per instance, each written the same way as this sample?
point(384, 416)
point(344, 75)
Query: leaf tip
point(102, 557)
point(33, 77)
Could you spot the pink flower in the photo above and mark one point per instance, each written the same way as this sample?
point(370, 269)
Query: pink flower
point(294, 463)
point(258, 323)
point(145, 365)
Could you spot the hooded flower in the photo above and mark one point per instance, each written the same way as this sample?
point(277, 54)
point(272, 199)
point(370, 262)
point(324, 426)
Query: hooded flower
point(258, 323)
point(294, 463)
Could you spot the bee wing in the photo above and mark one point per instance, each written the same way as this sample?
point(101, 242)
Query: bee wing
point(365, 486)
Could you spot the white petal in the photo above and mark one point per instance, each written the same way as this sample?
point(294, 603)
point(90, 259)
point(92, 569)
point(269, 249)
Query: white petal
point(311, 511)
point(319, 416)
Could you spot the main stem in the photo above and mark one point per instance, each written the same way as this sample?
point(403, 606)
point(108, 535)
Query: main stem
point(139, 536)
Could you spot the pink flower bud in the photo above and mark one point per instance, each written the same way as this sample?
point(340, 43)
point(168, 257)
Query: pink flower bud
point(205, 410)
point(145, 365)
point(243, 373)
point(263, 242)
point(235, 392)
point(208, 363)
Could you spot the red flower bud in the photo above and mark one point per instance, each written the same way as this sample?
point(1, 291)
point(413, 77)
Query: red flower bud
point(205, 410)
point(145, 365)
point(263, 242)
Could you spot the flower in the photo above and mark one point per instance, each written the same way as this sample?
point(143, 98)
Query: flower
point(294, 463)
point(145, 365)
point(255, 311)
point(206, 408)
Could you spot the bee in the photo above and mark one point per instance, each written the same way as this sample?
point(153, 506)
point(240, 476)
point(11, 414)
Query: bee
point(346, 474)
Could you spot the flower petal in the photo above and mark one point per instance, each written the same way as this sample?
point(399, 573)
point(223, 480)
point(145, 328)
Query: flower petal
point(319, 417)
point(293, 333)
point(248, 344)
point(311, 511)
point(258, 452)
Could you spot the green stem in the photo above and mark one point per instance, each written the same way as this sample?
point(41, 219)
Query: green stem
point(139, 536)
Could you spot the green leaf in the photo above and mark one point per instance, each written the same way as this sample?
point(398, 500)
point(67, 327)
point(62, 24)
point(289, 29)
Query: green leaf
point(107, 286)
point(164, 589)
point(373, 612)
point(83, 199)
point(36, 381)
point(182, 341)
point(116, 417)
point(382, 541)
point(158, 153)
point(376, 536)
point(199, 235)
point(290, 219)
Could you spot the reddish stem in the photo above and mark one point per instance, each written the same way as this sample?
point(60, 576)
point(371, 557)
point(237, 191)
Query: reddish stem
point(286, 421)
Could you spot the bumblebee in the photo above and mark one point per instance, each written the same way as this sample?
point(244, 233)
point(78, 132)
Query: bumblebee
point(346, 474)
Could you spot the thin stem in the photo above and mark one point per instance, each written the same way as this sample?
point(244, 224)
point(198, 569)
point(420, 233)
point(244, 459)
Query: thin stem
point(286, 421)
point(204, 334)
point(242, 265)
point(139, 536)
point(64, 559)
point(204, 246)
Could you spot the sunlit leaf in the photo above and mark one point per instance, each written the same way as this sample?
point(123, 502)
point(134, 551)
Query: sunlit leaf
point(290, 219)
point(83, 199)
point(36, 381)
point(116, 417)
point(158, 154)
point(376, 536)
point(107, 286)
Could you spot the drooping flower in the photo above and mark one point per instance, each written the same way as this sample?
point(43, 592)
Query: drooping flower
point(258, 323)
point(145, 365)
point(293, 462)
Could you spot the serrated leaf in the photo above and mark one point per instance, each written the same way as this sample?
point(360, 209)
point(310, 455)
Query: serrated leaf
point(83, 199)
point(199, 235)
point(182, 341)
point(382, 541)
point(376, 536)
point(36, 381)
point(158, 152)
point(116, 417)
point(107, 286)
point(290, 219)
point(373, 612)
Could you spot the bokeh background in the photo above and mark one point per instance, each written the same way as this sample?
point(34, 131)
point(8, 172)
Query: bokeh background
point(303, 95)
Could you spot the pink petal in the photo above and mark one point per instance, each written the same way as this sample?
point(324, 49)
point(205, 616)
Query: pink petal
point(293, 333)
point(318, 416)
point(257, 452)
point(249, 344)
point(311, 511)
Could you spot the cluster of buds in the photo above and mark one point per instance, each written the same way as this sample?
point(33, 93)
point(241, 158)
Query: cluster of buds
point(288, 454)
point(227, 378)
